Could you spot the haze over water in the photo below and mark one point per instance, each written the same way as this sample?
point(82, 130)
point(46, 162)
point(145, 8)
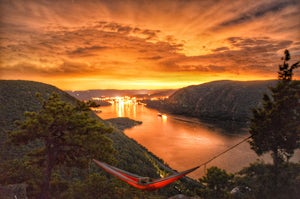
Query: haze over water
point(185, 142)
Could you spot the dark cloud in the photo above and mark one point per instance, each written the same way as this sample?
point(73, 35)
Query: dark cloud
point(259, 11)
point(72, 67)
point(23, 67)
point(127, 30)
point(153, 57)
point(297, 43)
point(151, 34)
point(260, 44)
point(220, 49)
point(67, 67)
point(250, 55)
point(86, 51)
point(255, 54)
point(115, 27)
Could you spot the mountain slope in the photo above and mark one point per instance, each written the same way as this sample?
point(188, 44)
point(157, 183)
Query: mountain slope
point(222, 100)
point(18, 96)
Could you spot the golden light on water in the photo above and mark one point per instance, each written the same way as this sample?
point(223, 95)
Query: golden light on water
point(122, 105)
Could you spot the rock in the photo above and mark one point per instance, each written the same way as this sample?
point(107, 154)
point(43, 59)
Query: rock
point(181, 196)
point(14, 191)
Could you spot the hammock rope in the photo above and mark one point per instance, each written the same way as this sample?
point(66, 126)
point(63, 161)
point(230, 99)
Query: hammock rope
point(222, 153)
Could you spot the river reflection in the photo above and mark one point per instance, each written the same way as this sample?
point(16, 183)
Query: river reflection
point(184, 142)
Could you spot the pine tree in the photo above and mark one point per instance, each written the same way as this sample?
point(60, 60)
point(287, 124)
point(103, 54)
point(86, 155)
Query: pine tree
point(216, 183)
point(275, 126)
point(67, 136)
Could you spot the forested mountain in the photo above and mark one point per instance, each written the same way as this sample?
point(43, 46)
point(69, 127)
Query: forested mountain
point(16, 97)
point(221, 100)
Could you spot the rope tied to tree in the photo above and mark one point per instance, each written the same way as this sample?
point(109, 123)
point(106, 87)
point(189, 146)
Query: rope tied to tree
point(222, 153)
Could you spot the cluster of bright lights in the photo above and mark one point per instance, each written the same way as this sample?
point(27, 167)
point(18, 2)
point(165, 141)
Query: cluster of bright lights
point(118, 100)
point(164, 116)
point(125, 100)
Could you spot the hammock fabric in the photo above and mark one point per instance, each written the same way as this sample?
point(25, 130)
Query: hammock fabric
point(139, 182)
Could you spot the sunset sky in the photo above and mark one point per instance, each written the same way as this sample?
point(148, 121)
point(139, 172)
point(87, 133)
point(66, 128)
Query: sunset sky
point(94, 44)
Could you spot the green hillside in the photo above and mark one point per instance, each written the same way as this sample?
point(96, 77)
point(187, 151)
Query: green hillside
point(219, 100)
point(16, 97)
point(19, 96)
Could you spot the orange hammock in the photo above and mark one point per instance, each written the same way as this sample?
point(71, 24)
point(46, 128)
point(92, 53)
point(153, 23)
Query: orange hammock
point(143, 183)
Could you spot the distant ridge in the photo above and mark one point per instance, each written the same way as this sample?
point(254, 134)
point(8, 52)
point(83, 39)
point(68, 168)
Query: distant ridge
point(217, 100)
point(88, 94)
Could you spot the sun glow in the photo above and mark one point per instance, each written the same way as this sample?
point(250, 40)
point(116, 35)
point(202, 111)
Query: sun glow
point(169, 44)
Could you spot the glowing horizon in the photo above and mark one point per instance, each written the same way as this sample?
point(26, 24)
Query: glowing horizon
point(78, 45)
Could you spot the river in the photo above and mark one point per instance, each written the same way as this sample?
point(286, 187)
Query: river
point(184, 142)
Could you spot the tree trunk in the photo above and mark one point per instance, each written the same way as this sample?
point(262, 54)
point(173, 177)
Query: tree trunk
point(45, 189)
point(275, 158)
point(276, 161)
